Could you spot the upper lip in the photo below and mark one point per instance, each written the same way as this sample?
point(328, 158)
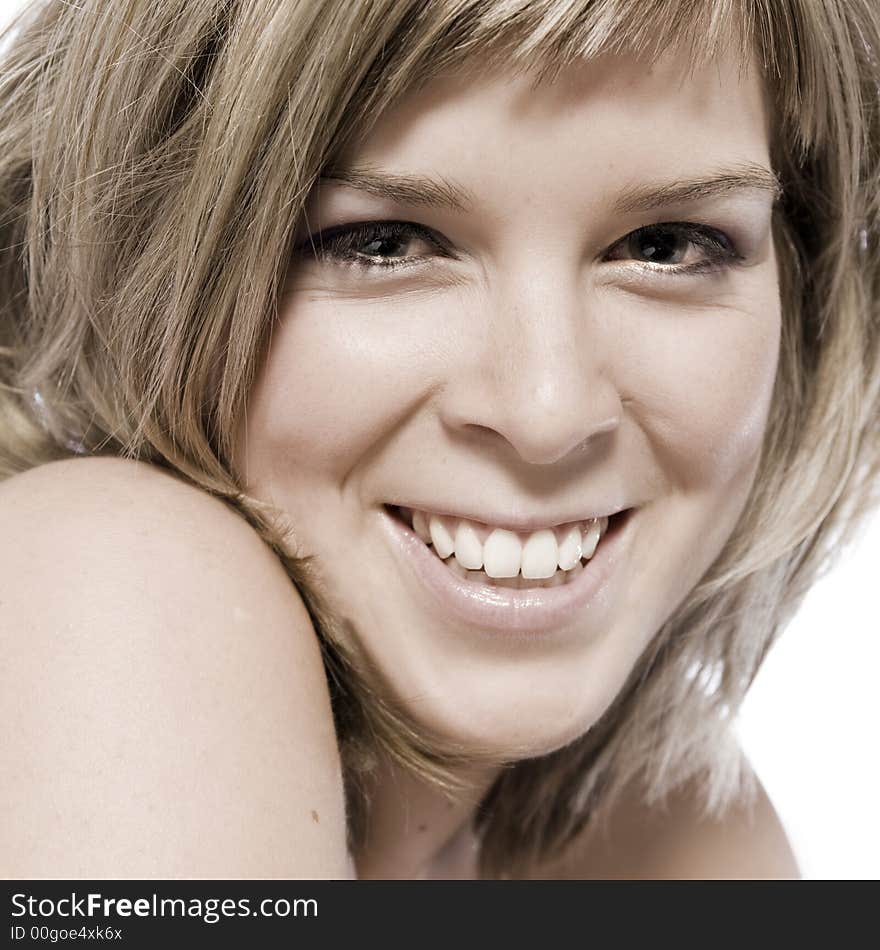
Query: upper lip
point(519, 524)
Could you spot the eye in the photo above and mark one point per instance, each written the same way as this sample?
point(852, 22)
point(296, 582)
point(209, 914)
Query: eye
point(661, 249)
point(375, 244)
point(664, 248)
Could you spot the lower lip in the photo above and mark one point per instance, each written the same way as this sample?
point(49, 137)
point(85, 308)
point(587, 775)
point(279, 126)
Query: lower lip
point(539, 610)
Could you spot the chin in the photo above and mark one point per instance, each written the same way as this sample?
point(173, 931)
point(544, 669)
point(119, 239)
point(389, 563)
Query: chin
point(521, 730)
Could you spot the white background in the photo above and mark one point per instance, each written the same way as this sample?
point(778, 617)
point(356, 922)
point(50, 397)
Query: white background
point(810, 722)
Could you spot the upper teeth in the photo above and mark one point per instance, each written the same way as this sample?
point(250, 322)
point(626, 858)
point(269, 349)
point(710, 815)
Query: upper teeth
point(503, 553)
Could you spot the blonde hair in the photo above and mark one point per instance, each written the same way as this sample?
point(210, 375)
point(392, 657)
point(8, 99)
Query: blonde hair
point(154, 161)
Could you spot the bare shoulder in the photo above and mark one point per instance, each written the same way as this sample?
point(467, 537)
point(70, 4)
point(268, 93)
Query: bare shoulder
point(164, 702)
point(677, 842)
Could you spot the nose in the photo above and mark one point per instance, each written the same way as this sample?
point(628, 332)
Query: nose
point(538, 375)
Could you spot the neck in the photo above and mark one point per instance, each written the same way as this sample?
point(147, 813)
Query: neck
point(415, 831)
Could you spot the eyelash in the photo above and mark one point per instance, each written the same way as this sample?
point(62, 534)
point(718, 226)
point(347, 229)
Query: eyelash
point(339, 243)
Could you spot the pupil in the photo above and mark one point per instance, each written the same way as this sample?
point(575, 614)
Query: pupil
point(657, 245)
point(381, 247)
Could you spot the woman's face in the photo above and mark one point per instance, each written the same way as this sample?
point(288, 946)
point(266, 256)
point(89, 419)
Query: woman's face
point(505, 346)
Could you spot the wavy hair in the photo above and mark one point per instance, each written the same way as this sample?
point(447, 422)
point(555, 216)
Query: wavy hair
point(155, 159)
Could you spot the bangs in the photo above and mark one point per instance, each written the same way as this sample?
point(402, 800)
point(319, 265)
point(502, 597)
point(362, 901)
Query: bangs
point(551, 34)
point(543, 37)
point(546, 36)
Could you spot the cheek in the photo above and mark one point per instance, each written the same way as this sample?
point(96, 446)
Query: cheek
point(702, 388)
point(333, 383)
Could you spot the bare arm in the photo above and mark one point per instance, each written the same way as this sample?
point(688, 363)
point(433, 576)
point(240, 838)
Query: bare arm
point(164, 707)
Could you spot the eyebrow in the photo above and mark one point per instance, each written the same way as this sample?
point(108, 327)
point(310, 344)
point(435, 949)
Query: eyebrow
point(439, 192)
point(744, 177)
point(418, 190)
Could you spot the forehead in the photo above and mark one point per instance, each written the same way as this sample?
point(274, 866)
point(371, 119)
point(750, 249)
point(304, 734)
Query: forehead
point(611, 103)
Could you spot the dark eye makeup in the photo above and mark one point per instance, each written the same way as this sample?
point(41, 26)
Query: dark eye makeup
point(380, 246)
point(371, 244)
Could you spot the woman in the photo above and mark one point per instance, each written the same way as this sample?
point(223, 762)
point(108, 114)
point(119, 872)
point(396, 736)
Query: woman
point(578, 301)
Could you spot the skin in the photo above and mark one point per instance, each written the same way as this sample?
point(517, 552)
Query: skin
point(542, 367)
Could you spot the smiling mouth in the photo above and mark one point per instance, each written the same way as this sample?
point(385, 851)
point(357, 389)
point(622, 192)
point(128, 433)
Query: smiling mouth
point(466, 560)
